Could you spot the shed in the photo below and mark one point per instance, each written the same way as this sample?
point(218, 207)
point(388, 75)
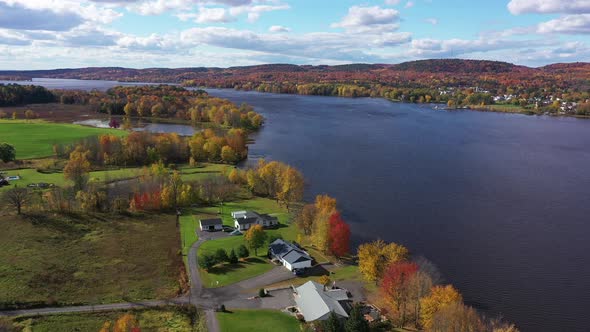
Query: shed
point(211, 225)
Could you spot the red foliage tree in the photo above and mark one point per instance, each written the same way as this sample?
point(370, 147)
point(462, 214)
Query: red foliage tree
point(339, 236)
point(395, 287)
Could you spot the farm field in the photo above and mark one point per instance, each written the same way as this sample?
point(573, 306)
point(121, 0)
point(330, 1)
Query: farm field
point(165, 319)
point(35, 138)
point(90, 258)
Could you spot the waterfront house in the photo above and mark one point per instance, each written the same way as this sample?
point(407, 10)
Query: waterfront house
point(243, 220)
point(291, 256)
point(316, 302)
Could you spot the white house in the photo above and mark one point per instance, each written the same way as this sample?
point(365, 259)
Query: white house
point(292, 257)
point(243, 220)
point(316, 302)
point(211, 225)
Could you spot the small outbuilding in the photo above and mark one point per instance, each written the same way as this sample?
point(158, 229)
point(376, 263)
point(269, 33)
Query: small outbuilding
point(211, 225)
point(291, 256)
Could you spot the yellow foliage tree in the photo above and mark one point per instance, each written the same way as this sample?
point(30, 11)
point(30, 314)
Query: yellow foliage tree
point(375, 256)
point(255, 237)
point(77, 168)
point(439, 297)
point(292, 186)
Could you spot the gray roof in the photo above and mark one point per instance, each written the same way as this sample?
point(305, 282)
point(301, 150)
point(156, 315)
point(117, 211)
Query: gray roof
point(287, 251)
point(211, 222)
point(316, 303)
point(243, 221)
point(268, 217)
point(296, 256)
point(244, 214)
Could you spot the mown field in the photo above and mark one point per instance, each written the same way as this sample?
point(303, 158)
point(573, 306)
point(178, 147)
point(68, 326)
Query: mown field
point(257, 320)
point(97, 258)
point(165, 319)
point(35, 138)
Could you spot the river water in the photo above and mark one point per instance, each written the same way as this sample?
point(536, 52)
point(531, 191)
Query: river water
point(500, 202)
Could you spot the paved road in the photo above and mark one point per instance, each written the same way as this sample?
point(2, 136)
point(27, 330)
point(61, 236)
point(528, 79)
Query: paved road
point(97, 307)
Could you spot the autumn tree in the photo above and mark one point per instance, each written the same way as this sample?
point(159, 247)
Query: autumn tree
point(395, 288)
point(171, 192)
point(306, 218)
point(228, 155)
point(129, 109)
point(457, 317)
point(419, 286)
point(292, 186)
point(375, 256)
point(325, 280)
point(77, 168)
point(17, 197)
point(339, 236)
point(255, 238)
point(440, 297)
point(325, 206)
point(125, 323)
point(7, 152)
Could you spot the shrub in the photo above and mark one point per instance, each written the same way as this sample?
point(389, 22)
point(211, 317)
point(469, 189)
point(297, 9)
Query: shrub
point(233, 258)
point(221, 256)
point(261, 292)
point(207, 261)
point(243, 252)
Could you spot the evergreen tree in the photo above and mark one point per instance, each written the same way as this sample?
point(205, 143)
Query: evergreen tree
point(233, 258)
point(332, 324)
point(356, 322)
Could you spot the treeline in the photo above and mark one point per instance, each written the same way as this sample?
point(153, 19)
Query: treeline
point(14, 94)
point(273, 179)
point(149, 101)
point(143, 148)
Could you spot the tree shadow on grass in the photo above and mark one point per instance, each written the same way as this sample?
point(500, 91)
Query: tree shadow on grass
point(227, 268)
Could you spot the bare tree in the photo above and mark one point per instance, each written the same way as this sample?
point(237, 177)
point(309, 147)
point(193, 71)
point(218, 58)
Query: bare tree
point(17, 197)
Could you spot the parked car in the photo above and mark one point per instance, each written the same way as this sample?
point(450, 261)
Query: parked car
point(228, 229)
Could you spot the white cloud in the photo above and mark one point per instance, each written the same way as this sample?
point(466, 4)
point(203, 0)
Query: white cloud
point(458, 47)
point(517, 7)
point(18, 16)
point(363, 19)
point(208, 15)
point(409, 4)
point(569, 24)
point(254, 11)
point(279, 28)
point(432, 21)
point(392, 2)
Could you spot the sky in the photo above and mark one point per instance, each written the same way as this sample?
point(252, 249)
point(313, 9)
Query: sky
point(47, 34)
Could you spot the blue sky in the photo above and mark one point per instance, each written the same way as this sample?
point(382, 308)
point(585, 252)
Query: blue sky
point(43, 34)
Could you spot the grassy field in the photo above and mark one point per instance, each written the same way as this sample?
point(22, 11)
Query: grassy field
point(35, 139)
point(88, 259)
point(166, 319)
point(30, 175)
point(257, 320)
point(224, 275)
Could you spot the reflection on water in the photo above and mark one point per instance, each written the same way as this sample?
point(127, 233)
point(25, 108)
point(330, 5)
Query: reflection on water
point(159, 128)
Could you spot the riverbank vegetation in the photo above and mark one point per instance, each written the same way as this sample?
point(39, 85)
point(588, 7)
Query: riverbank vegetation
point(148, 101)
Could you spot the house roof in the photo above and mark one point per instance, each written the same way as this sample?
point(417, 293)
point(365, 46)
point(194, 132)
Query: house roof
point(243, 221)
point(315, 303)
point(268, 217)
point(244, 214)
point(288, 252)
point(210, 222)
point(296, 256)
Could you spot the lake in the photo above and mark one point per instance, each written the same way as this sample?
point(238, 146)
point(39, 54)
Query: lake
point(499, 202)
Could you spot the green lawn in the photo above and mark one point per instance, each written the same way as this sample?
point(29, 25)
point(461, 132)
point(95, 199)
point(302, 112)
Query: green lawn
point(257, 320)
point(98, 258)
point(226, 274)
point(30, 175)
point(166, 319)
point(35, 139)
